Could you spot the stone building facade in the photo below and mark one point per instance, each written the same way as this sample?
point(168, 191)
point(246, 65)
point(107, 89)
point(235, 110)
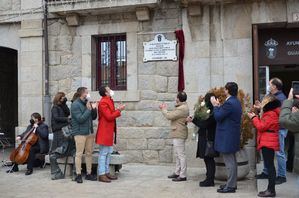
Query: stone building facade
point(218, 48)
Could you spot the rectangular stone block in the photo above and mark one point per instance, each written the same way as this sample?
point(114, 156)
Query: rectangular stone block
point(32, 23)
point(26, 74)
point(28, 105)
point(121, 144)
point(65, 85)
point(28, 61)
point(166, 155)
point(155, 144)
point(148, 105)
point(30, 88)
point(133, 156)
point(160, 120)
point(156, 132)
point(137, 144)
point(146, 82)
point(65, 71)
point(24, 33)
point(148, 95)
point(148, 68)
point(216, 48)
point(54, 58)
point(150, 156)
point(167, 68)
point(230, 47)
point(130, 132)
point(166, 96)
point(31, 44)
point(237, 21)
point(5, 5)
point(217, 66)
point(268, 12)
point(136, 119)
point(172, 85)
point(30, 4)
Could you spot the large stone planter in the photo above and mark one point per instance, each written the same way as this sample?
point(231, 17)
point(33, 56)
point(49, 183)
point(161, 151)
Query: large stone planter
point(243, 166)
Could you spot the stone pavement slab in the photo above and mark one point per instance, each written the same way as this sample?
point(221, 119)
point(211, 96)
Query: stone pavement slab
point(290, 189)
point(135, 181)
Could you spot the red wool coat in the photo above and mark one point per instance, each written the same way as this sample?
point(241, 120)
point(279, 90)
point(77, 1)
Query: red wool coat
point(107, 121)
point(268, 129)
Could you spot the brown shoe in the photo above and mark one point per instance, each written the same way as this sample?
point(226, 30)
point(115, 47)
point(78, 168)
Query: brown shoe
point(111, 177)
point(104, 178)
point(266, 193)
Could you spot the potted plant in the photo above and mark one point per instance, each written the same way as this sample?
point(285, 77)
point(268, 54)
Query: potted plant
point(246, 135)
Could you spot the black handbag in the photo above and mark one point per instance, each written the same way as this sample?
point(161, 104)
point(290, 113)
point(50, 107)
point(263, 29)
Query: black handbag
point(210, 151)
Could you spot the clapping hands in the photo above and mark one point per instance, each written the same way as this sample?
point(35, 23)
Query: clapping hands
point(121, 107)
point(251, 115)
point(189, 119)
point(163, 106)
point(214, 101)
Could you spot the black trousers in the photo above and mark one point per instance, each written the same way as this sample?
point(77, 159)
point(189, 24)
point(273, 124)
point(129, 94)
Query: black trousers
point(31, 158)
point(268, 155)
point(210, 166)
point(291, 151)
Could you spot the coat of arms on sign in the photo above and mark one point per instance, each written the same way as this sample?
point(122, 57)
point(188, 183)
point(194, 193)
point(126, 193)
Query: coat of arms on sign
point(160, 49)
point(271, 49)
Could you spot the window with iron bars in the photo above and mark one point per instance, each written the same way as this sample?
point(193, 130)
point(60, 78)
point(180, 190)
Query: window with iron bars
point(112, 61)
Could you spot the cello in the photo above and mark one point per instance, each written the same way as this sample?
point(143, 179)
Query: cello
point(21, 153)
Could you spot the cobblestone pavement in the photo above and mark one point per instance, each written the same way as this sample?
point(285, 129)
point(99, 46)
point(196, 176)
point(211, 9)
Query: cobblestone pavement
point(135, 181)
point(290, 189)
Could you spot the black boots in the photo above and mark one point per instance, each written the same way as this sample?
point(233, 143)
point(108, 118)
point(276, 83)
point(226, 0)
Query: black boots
point(206, 183)
point(79, 179)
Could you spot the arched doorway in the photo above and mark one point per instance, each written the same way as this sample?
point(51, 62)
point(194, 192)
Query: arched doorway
point(8, 91)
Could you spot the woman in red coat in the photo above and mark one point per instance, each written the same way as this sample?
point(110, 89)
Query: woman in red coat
point(105, 133)
point(268, 138)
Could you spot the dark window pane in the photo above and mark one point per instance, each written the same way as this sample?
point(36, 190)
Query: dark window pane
point(112, 62)
point(105, 63)
point(121, 63)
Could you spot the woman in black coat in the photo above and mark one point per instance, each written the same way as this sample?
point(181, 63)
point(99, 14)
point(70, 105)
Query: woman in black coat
point(60, 118)
point(206, 132)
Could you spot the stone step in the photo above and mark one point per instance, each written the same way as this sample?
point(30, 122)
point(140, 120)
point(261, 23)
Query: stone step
point(115, 159)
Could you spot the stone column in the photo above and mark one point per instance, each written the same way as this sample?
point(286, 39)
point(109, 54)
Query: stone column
point(30, 71)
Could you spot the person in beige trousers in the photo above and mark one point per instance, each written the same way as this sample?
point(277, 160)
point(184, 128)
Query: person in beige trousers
point(179, 133)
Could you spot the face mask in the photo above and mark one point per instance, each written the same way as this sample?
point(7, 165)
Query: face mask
point(31, 121)
point(268, 89)
point(87, 97)
point(64, 101)
point(111, 93)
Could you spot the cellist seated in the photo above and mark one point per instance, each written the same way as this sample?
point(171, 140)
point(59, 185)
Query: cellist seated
point(41, 146)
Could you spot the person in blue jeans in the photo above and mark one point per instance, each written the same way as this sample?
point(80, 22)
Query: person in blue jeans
point(275, 88)
point(106, 132)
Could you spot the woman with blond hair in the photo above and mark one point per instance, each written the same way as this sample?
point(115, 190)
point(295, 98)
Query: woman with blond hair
point(267, 126)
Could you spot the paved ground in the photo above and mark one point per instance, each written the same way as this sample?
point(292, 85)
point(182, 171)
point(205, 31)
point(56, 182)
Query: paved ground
point(290, 189)
point(135, 180)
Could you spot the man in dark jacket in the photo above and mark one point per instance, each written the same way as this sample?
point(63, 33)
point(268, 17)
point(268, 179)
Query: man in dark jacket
point(83, 112)
point(227, 140)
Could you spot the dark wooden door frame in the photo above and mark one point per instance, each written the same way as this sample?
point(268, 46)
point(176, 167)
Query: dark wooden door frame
point(255, 62)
